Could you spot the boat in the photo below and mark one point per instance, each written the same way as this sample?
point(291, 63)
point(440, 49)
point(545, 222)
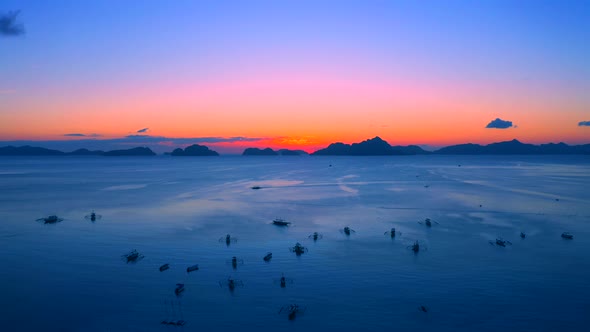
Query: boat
point(567, 235)
point(179, 289)
point(164, 267)
point(281, 222)
point(268, 257)
point(192, 268)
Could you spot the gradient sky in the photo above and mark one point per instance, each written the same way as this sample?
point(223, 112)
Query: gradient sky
point(297, 74)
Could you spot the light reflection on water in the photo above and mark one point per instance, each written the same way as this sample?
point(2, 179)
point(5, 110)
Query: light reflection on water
point(70, 276)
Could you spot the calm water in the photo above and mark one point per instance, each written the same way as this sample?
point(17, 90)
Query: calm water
point(70, 276)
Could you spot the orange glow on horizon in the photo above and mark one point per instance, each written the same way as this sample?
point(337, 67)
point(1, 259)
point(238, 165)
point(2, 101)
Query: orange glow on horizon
point(304, 110)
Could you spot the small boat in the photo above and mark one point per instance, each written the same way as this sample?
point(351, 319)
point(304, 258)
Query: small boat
point(267, 257)
point(256, 187)
point(567, 235)
point(179, 322)
point(192, 268)
point(179, 289)
point(500, 242)
point(298, 249)
point(133, 256)
point(164, 267)
point(50, 219)
point(281, 222)
point(522, 235)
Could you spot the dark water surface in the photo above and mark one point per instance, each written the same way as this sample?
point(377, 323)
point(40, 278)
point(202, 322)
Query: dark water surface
point(70, 276)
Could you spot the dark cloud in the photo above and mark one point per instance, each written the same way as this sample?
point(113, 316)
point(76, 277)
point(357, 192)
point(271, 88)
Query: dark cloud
point(499, 124)
point(82, 135)
point(182, 141)
point(143, 130)
point(8, 25)
point(584, 123)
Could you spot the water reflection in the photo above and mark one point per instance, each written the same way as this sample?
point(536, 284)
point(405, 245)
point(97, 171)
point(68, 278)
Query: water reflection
point(342, 282)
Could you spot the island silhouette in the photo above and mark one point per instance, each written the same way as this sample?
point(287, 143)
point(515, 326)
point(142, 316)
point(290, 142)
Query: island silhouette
point(271, 152)
point(194, 150)
point(38, 151)
point(371, 147)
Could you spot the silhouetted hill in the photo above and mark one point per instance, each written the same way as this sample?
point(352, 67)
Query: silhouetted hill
point(271, 152)
point(130, 152)
point(85, 152)
point(515, 147)
point(28, 151)
point(259, 152)
point(286, 152)
point(194, 150)
point(408, 150)
point(371, 147)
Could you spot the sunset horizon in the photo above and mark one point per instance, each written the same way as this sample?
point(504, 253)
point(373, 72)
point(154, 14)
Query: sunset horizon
point(295, 165)
point(297, 74)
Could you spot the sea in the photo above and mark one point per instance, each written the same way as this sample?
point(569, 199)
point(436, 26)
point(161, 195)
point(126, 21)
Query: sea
point(73, 275)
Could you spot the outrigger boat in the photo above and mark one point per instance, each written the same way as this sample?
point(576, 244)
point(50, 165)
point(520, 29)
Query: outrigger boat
point(53, 219)
point(567, 235)
point(281, 222)
point(179, 289)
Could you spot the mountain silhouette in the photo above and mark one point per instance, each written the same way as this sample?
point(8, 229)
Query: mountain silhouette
point(259, 152)
point(371, 147)
point(143, 151)
point(194, 150)
point(515, 147)
point(271, 152)
point(85, 152)
point(286, 152)
point(28, 151)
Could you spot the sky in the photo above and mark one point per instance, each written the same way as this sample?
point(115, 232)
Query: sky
point(294, 74)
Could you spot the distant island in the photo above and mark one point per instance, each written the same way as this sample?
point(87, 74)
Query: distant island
point(515, 147)
point(371, 147)
point(271, 152)
point(378, 147)
point(37, 151)
point(194, 150)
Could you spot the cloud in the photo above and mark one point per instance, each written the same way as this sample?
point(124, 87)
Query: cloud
point(584, 123)
point(143, 130)
point(499, 124)
point(82, 135)
point(146, 139)
point(8, 25)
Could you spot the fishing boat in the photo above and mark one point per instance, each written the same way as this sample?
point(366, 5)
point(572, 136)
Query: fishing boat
point(567, 235)
point(192, 268)
point(281, 222)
